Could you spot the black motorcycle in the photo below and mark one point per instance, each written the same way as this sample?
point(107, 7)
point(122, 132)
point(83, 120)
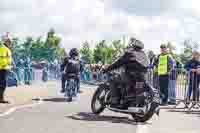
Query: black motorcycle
point(142, 106)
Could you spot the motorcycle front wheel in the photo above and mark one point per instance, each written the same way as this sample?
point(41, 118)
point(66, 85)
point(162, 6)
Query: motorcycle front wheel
point(97, 104)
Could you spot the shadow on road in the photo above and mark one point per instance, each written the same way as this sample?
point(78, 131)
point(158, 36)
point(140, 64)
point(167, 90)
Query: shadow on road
point(83, 116)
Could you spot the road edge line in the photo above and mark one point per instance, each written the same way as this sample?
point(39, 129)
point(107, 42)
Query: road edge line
point(13, 109)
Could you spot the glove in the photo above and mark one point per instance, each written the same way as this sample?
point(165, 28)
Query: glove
point(151, 66)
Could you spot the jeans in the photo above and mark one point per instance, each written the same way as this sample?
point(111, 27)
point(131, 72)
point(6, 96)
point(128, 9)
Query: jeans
point(82, 76)
point(3, 82)
point(63, 81)
point(164, 82)
point(20, 75)
point(194, 88)
point(172, 90)
point(27, 75)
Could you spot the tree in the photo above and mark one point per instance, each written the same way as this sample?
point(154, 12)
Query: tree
point(100, 52)
point(16, 47)
point(171, 47)
point(109, 53)
point(172, 50)
point(27, 47)
point(189, 46)
point(106, 53)
point(38, 50)
point(118, 48)
point(86, 53)
point(52, 41)
point(53, 45)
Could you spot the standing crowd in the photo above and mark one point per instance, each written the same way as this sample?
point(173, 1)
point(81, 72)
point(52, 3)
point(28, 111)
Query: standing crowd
point(164, 70)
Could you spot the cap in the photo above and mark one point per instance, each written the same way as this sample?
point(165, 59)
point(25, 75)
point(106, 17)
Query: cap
point(163, 46)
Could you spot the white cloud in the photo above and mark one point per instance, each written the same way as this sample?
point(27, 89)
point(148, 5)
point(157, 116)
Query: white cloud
point(152, 21)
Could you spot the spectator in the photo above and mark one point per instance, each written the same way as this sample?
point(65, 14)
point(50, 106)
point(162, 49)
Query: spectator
point(87, 73)
point(151, 75)
point(45, 74)
point(20, 71)
point(5, 66)
point(164, 64)
point(27, 71)
point(172, 85)
point(82, 70)
point(193, 67)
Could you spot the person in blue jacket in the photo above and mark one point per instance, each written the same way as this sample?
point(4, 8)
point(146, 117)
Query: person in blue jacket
point(193, 66)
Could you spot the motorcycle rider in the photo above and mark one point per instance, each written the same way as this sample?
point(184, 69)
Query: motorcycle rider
point(72, 69)
point(135, 63)
point(63, 79)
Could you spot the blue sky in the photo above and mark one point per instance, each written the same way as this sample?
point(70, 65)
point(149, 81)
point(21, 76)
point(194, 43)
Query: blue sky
point(152, 21)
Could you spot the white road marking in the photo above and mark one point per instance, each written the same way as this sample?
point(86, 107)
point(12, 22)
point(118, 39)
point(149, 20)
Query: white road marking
point(142, 129)
point(88, 87)
point(11, 110)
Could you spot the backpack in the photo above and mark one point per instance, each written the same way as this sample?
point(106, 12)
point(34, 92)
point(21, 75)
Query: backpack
point(72, 67)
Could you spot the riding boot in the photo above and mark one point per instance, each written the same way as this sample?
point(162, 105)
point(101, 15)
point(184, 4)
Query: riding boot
point(2, 100)
point(1, 94)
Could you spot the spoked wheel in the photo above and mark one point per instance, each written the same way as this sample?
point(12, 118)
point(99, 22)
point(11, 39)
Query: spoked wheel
point(97, 104)
point(143, 118)
point(70, 90)
point(148, 114)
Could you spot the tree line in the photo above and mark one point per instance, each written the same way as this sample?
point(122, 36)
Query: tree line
point(38, 49)
point(49, 48)
point(106, 52)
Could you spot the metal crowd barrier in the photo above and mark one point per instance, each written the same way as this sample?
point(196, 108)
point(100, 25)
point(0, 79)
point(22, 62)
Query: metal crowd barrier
point(183, 87)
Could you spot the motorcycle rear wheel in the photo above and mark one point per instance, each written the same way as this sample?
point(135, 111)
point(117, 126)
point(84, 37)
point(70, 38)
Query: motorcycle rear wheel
point(147, 116)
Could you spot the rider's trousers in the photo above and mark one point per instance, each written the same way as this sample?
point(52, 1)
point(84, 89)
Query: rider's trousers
point(127, 81)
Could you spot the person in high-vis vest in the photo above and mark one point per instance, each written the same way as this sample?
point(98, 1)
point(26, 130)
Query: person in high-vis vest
point(164, 66)
point(5, 66)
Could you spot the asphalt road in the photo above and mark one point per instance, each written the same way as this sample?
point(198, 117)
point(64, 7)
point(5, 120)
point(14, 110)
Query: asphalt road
point(54, 115)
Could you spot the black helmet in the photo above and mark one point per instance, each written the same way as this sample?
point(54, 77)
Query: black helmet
point(73, 52)
point(136, 43)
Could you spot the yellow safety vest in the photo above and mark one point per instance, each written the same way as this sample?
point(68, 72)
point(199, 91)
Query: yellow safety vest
point(163, 65)
point(5, 58)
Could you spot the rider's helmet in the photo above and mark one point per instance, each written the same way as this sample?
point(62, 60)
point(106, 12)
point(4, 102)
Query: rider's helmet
point(136, 43)
point(74, 52)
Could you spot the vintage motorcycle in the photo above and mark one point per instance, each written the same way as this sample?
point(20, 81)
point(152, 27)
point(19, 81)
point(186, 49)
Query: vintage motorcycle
point(142, 106)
